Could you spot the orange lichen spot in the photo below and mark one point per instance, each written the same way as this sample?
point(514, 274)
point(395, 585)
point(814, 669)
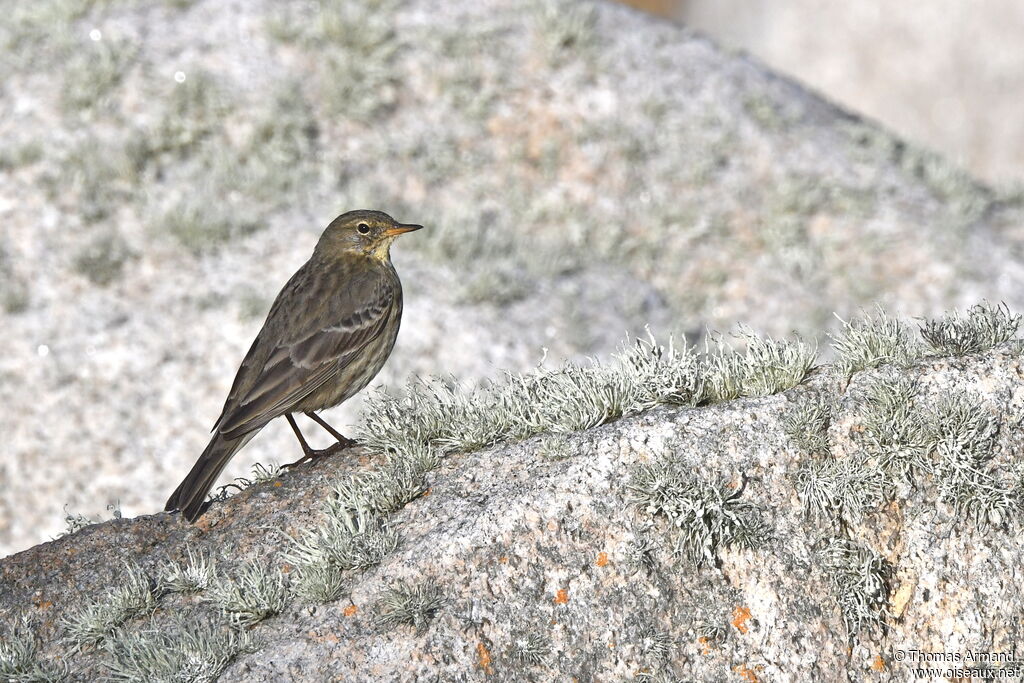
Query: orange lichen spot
point(562, 596)
point(740, 617)
point(705, 645)
point(350, 610)
point(602, 560)
point(878, 664)
point(483, 658)
point(278, 484)
point(611, 646)
point(745, 673)
point(503, 559)
point(427, 492)
point(286, 568)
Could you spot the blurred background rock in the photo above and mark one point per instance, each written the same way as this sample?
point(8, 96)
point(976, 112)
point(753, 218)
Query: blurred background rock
point(585, 171)
point(946, 74)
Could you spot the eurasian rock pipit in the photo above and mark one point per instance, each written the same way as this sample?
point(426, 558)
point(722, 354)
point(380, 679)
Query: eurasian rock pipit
point(327, 335)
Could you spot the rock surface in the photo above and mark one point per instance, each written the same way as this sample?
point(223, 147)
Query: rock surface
point(584, 170)
point(549, 564)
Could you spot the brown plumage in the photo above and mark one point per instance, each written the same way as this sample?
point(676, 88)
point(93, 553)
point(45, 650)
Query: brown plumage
point(328, 334)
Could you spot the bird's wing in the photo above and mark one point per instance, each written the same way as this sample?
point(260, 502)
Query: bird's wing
point(309, 352)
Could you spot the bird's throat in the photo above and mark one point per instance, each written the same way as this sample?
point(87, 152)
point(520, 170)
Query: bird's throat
point(382, 250)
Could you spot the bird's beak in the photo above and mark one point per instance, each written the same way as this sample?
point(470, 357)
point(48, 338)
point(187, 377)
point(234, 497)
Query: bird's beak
point(401, 228)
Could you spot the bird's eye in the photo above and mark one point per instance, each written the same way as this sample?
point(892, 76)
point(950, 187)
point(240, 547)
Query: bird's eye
point(363, 229)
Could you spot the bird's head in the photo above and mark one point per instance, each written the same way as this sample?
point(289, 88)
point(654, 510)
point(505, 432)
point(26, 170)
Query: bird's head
point(370, 233)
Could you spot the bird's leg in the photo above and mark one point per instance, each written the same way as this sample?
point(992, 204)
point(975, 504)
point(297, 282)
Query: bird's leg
point(307, 452)
point(343, 442)
point(310, 453)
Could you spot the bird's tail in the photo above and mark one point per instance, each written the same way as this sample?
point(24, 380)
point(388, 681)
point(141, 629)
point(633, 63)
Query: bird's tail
point(191, 493)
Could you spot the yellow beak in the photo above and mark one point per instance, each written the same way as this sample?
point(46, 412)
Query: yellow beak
point(402, 228)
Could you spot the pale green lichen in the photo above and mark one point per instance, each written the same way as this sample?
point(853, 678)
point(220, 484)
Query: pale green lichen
point(965, 196)
point(705, 516)
point(861, 581)
point(565, 29)
point(639, 550)
point(390, 488)
point(964, 433)
point(94, 178)
point(75, 522)
point(807, 422)
point(723, 377)
point(14, 288)
point(833, 489)
point(357, 75)
point(271, 161)
point(410, 604)
point(201, 226)
point(198, 573)
point(134, 595)
point(529, 649)
point(196, 108)
point(901, 439)
point(14, 156)
point(35, 35)
point(260, 473)
point(571, 398)
point(766, 111)
point(183, 651)
point(93, 72)
point(345, 539)
point(103, 259)
point(767, 366)
point(873, 340)
point(554, 447)
point(710, 632)
point(255, 593)
point(983, 327)
point(894, 433)
point(655, 645)
point(20, 662)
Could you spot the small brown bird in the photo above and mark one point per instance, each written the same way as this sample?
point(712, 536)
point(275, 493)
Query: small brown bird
point(327, 335)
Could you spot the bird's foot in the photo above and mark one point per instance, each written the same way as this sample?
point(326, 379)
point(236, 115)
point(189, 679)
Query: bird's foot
point(314, 454)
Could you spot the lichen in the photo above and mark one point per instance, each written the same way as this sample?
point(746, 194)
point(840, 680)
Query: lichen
point(180, 651)
point(254, 593)
point(705, 516)
point(872, 340)
point(409, 604)
point(983, 327)
point(861, 580)
point(134, 595)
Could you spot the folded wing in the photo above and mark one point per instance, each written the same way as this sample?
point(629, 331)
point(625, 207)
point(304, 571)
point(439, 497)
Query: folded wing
point(308, 352)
